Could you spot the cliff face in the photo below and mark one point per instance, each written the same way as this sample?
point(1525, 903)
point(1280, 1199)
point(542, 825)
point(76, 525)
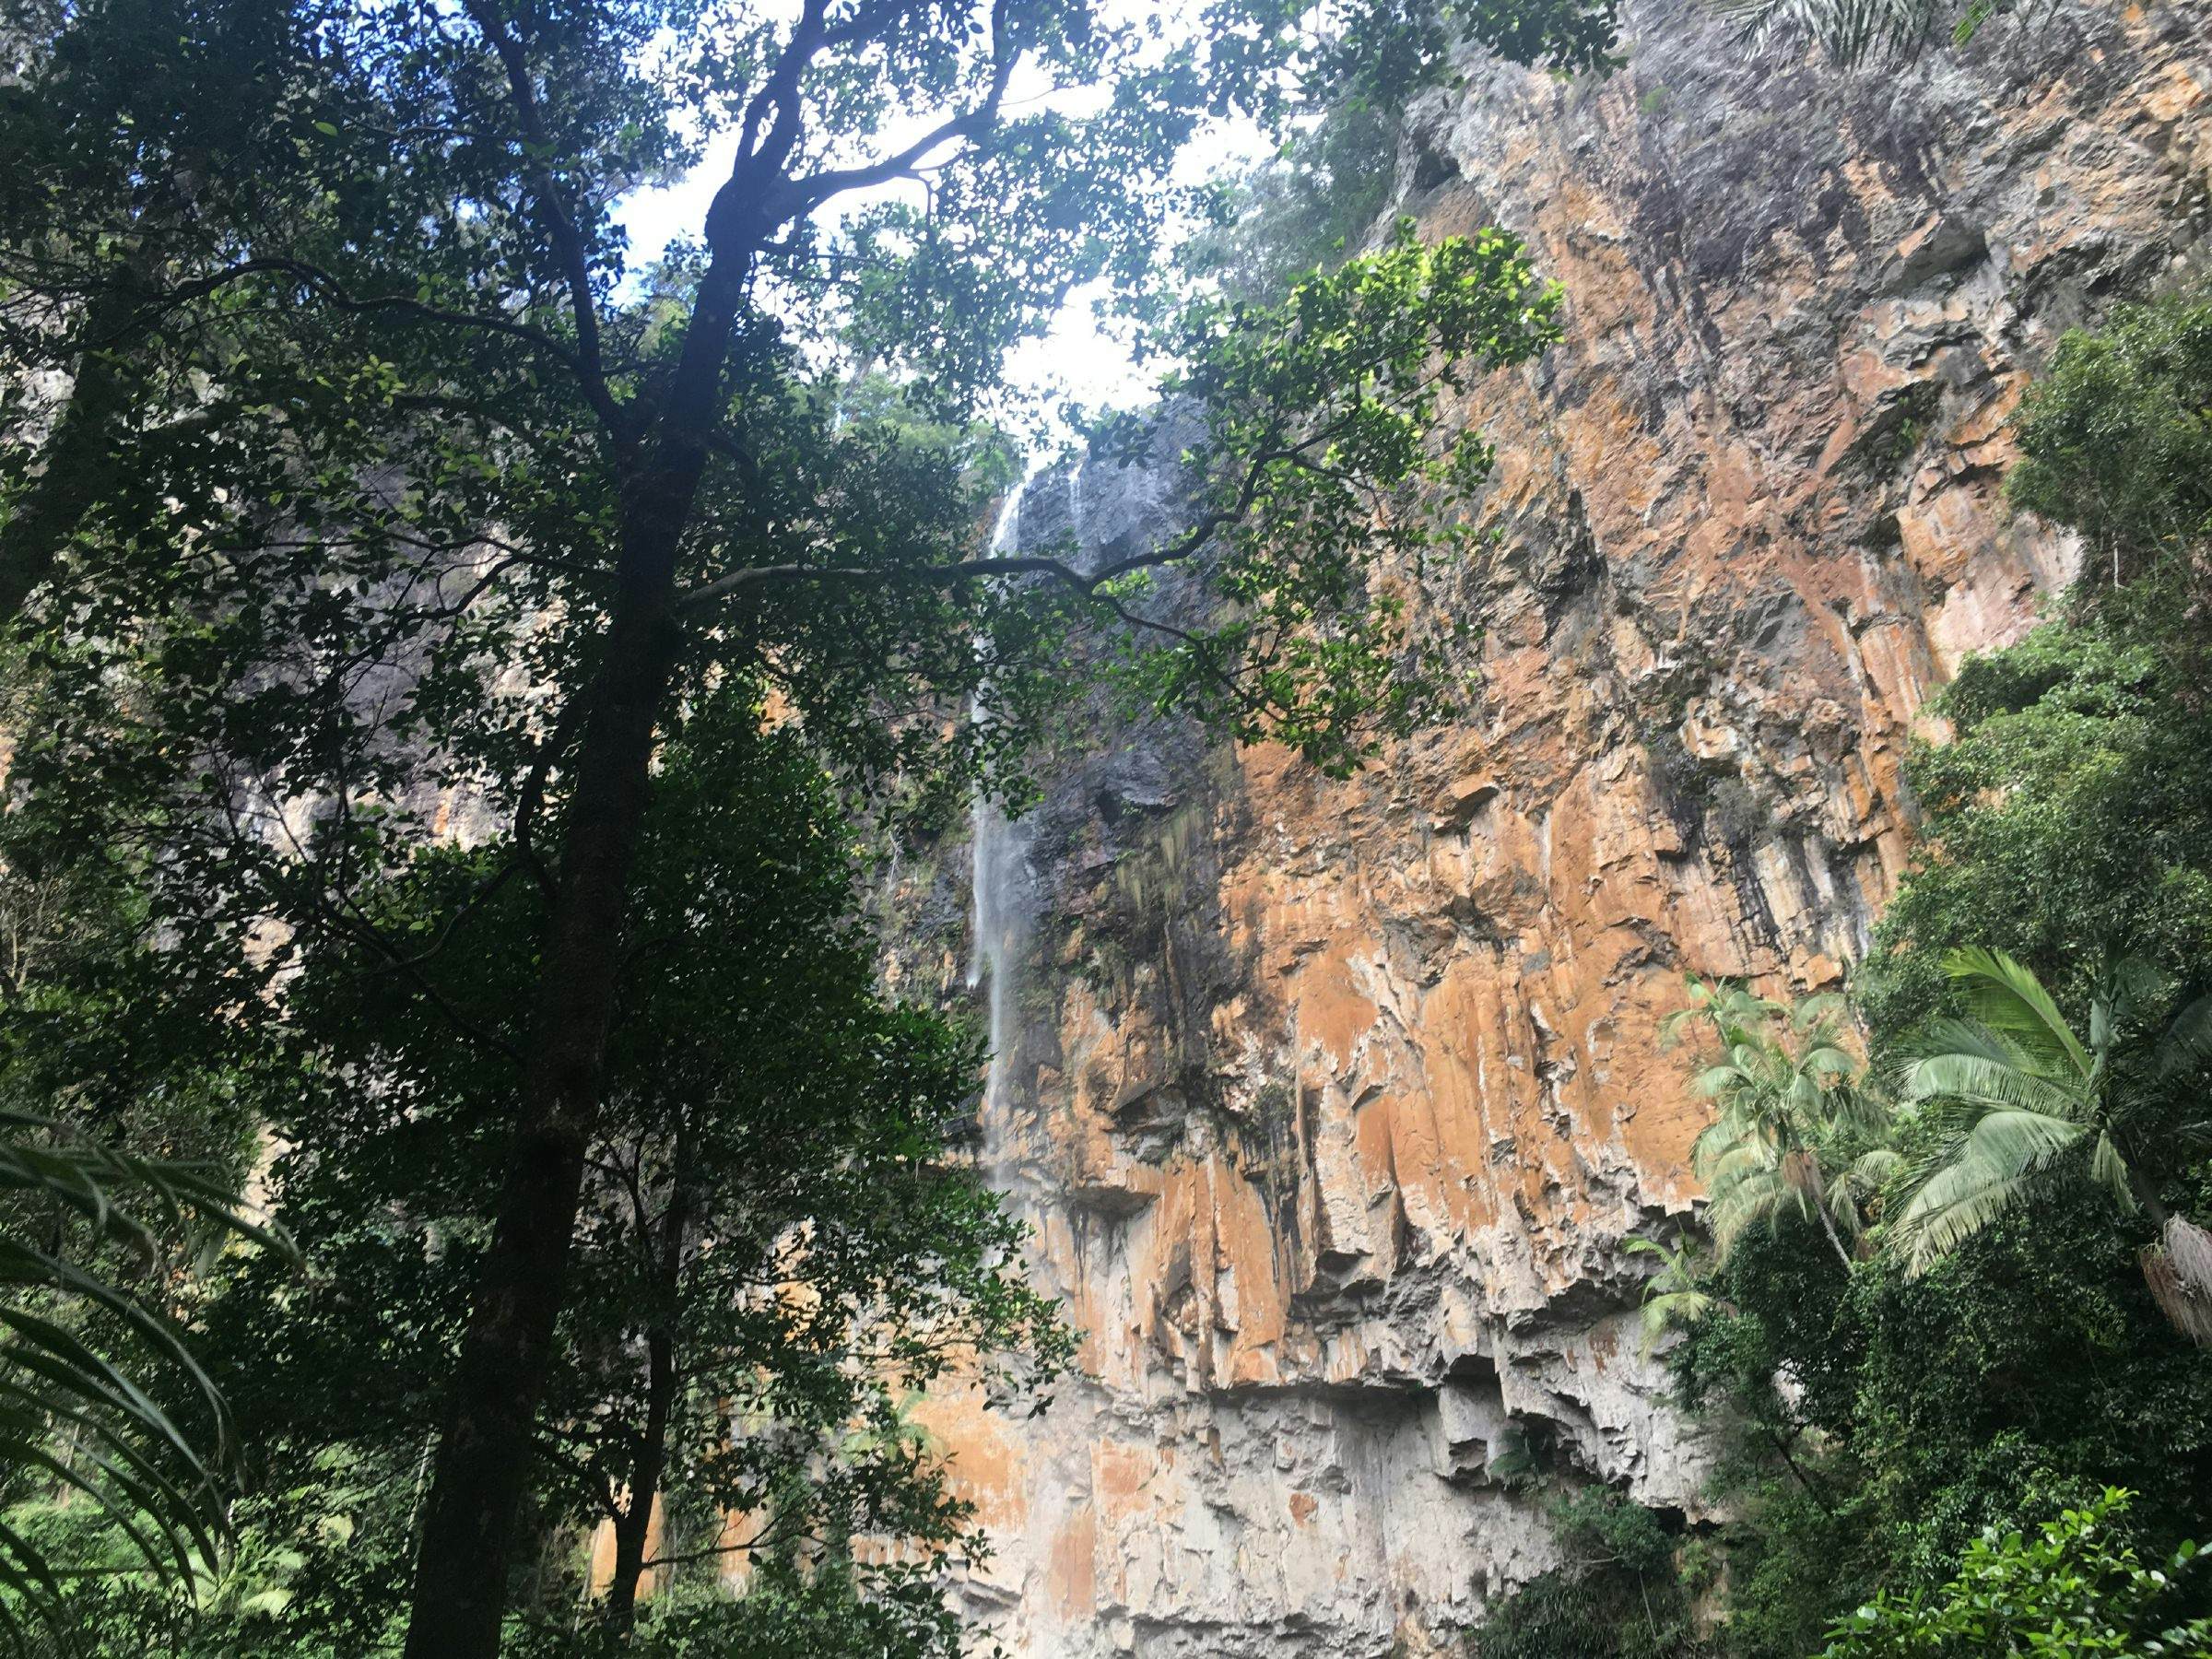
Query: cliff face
point(1331, 1103)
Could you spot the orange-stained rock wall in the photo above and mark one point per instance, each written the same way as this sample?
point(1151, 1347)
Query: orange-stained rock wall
point(1330, 1102)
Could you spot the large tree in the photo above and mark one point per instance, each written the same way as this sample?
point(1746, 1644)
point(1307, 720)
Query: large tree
point(775, 1247)
point(447, 511)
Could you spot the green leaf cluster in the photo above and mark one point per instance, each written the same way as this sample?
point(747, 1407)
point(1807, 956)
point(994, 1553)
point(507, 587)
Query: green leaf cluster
point(2076, 1586)
point(2015, 1335)
point(1626, 1589)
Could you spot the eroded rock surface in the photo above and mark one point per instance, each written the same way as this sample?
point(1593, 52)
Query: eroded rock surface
point(1332, 1103)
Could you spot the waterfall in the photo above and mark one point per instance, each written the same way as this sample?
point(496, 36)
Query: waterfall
point(999, 854)
point(1002, 869)
point(982, 888)
point(1002, 899)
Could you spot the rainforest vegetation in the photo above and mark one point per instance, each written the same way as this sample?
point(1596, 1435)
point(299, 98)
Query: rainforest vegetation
point(1951, 1297)
point(466, 1186)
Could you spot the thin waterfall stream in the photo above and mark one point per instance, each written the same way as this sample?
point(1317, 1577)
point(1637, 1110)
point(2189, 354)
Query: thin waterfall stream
point(999, 854)
point(1003, 884)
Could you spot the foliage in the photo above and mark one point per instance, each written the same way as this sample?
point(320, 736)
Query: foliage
point(2070, 815)
point(1885, 1406)
point(1853, 31)
point(1335, 398)
point(1312, 205)
point(1674, 1294)
point(1626, 1590)
point(393, 532)
point(2116, 442)
point(1882, 1420)
point(1307, 210)
point(760, 1291)
point(1998, 1345)
point(2078, 1587)
point(1797, 1134)
point(2012, 1096)
point(79, 1402)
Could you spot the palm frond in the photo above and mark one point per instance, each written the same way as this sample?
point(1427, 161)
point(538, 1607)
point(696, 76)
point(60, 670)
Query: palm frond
point(1756, 1197)
point(2185, 1050)
point(1670, 1309)
point(1858, 1106)
point(1672, 1295)
point(1862, 1194)
point(1850, 30)
point(1826, 1059)
point(1981, 1081)
point(2007, 1139)
point(1735, 1163)
point(2108, 1169)
point(1729, 1215)
point(1785, 1087)
point(1989, 1157)
point(1946, 1035)
point(2178, 1271)
point(2004, 996)
point(39, 1155)
point(1820, 1012)
point(2132, 986)
point(1871, 1171)
point(156, 1482)
point(1716, 1081)
point(1953, 1205)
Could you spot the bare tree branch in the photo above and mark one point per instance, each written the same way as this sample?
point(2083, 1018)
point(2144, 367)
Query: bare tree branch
point(811, 192)
point(1086, 583)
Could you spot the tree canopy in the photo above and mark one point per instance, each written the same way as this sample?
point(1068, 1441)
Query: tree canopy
point(380, 536)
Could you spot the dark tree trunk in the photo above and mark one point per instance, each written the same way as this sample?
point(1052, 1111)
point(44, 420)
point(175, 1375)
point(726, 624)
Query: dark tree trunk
point(79, 463)
point(634, 1526)
point(483, 1461)
point(2145, 1194)
point(1781, 1446)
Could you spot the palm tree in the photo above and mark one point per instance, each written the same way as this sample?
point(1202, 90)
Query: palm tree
point(75, 1410)
point(2016, 1098)
point(1786, 1090)
point(1671, 1296)
point(1853, 30)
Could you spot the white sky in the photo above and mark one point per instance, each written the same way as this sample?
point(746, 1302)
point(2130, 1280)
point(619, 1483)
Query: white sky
point(1076, 358)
